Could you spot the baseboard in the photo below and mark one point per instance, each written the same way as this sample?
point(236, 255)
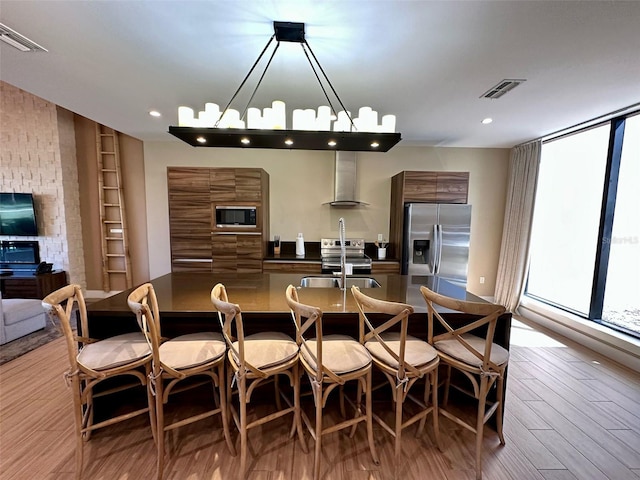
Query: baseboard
point(615, 345)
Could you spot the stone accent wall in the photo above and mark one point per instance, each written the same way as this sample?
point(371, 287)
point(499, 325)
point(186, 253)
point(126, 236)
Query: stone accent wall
point(38, 155)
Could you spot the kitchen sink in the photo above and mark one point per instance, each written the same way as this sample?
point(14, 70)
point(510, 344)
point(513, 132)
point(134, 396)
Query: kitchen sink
point(334, 282)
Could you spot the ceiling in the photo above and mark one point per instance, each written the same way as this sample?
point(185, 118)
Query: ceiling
point(428, 62)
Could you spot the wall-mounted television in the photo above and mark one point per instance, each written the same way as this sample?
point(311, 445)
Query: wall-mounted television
point(17, 214)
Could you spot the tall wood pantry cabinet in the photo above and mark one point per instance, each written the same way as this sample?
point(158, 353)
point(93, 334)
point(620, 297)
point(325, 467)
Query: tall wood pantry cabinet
point(196, 243)
point(421, 187)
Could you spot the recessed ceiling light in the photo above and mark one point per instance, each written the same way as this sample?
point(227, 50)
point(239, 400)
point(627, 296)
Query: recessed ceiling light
point(288, 141)
point(487, 121)
point(245, 141)
point(201, 140)
point(155, 113)
point(375, 145)
point(332, 143)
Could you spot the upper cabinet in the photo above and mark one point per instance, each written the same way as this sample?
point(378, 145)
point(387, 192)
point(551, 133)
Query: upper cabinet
point(433, 187)
point(238, 185)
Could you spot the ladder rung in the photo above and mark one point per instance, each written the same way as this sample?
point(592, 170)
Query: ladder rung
point(111, 221)
point(111, 204)
point(109, 170)
point(104, 152)
point(120, 239)
point(115, 254)
point(110, 188)
point(116, 271)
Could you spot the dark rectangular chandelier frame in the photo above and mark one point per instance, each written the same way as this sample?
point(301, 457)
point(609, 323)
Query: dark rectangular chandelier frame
point(287, 139)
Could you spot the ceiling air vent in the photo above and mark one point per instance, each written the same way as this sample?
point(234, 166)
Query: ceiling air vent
point(16, 40)
point(501, 88)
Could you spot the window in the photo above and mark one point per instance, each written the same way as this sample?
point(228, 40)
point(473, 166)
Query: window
point(622, 291)
point(585, 241)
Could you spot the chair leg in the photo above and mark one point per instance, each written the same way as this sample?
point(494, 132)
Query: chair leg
point(151, 401)
point(317, 398)
point(358, 413)
point(482, 401)
point(447, 383)
point(369, 414)
point(242, 394)
point(276, 385)
point(500, 411)
point(78, 410)
point(224, 409)
point(398, 426)
point(159, 388)
point(296, 407)
point(433, 377)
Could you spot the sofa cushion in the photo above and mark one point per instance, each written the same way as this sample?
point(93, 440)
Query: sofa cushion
point(18, 309)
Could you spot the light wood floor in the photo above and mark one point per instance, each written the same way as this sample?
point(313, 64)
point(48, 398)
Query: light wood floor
point(570, 414)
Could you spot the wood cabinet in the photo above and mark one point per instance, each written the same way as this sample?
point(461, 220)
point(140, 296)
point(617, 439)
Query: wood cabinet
point(282, 266)
point(237, 253)
point(435, 187)
point(32, 286)
point(421, 187)
point(385, 267)
point(196, 243)
point(189, 219)
point(236, 185)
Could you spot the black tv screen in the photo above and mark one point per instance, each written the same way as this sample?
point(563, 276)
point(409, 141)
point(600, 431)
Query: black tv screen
point(17, 214)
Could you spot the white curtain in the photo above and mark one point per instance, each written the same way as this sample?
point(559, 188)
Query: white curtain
point(524, 162)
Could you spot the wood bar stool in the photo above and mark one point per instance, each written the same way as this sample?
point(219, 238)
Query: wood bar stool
point(253, 360)
point(331, 361)
point(92, 361)
point(403, 359)
point(479, 359)
point(177, 359)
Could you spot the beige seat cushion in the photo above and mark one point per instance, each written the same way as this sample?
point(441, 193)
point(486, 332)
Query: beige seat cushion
point(417, 352)
point(268, 349)
point(340, 353)
point(455, 349)
point(114, 352)
point(191, 350)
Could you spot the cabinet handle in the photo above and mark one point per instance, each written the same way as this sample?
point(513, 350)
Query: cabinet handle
point(236, 233)
point(192, 260)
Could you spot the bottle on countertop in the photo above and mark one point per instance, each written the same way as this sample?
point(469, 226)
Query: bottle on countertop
point(300, 245)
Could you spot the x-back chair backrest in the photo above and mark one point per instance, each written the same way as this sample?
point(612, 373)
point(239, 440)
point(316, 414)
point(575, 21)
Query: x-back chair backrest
point(304, 317)
point(230, 314)
point(61, 304)
point(144, 303)
point(400, 313)
point(488, 312)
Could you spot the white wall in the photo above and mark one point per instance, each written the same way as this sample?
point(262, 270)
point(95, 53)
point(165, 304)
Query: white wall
point(301, 181)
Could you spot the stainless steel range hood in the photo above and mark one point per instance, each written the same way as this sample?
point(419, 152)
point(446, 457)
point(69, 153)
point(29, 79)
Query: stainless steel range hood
point(345, 181)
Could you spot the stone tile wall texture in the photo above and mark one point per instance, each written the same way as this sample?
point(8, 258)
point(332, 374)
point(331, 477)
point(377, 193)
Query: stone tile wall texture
point(37, 155)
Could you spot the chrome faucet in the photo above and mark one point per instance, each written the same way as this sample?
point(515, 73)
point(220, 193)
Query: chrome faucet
point(343, 254)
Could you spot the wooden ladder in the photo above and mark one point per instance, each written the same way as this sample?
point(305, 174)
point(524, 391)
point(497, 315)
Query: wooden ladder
point(116, 264)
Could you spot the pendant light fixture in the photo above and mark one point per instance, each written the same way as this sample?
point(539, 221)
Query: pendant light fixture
point(321, 129)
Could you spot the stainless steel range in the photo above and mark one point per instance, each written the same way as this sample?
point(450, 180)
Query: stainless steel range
point(330, 253)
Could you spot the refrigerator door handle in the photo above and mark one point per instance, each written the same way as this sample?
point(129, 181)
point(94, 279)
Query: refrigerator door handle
point(433, 255)
point(439, 248)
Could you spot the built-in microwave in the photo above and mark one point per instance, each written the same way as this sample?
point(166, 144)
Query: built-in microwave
point(236, 216)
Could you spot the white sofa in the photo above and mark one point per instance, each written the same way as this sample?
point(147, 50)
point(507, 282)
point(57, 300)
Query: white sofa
point(20, 317)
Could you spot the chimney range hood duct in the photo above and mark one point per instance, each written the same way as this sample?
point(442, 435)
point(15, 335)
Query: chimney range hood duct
point(345, 181)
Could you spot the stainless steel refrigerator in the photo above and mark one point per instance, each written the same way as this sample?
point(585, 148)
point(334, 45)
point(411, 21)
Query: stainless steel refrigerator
point(436, 240)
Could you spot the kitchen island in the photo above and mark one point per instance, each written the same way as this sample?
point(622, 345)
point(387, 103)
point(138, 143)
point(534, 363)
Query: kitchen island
point(185, 304)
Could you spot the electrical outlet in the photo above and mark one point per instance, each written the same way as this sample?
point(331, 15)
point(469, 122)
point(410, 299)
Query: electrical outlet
point(481, 279)
point(380, 238)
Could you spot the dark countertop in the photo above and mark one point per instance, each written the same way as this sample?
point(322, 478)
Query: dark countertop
point(312, 253)
point(189, 293)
